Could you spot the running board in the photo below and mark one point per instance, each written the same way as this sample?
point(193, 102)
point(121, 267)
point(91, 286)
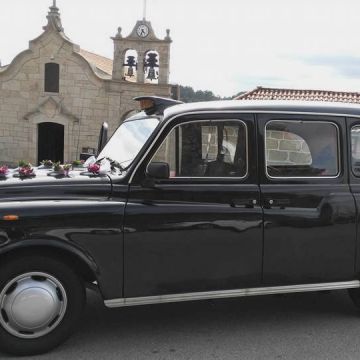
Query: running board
point(230, 293)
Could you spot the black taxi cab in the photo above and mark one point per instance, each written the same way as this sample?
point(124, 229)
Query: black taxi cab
point(198, 201)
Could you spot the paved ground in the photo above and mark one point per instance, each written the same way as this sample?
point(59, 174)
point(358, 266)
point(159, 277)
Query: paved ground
point(303, 326)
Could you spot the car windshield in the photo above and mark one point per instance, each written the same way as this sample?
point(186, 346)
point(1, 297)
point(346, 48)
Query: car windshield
point(128, 140)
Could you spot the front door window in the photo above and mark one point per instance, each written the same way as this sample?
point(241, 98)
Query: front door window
point(206, 149)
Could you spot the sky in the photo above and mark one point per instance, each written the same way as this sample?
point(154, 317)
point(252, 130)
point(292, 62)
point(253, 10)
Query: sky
point(225, 46)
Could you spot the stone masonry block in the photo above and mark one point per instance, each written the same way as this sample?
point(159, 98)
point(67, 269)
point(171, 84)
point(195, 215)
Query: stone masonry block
point(293, 145)
point(300, 158)
point(272, 144)
point(277, 155)
point(275, 134)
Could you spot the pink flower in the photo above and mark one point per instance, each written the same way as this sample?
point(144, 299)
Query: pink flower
point(26, 171)
point(94, 168)
point(4, 170)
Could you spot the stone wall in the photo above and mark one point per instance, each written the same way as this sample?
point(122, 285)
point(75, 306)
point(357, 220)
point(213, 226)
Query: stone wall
point(286, 148)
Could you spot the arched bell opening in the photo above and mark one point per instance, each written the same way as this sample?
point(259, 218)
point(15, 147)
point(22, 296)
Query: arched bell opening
point(130, 65)
point(151, 67)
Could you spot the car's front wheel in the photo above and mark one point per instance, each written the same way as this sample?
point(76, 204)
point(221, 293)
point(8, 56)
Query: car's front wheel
point(40, 300)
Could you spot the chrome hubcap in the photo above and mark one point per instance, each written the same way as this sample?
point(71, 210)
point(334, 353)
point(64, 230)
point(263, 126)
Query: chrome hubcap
point(32, 305)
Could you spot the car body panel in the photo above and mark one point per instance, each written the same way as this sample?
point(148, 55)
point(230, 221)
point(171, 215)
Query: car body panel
point(77, 216)
point(310, 229)
point(185, 237)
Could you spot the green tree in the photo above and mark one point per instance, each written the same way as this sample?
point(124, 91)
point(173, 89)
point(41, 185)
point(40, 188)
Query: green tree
point(188, 94)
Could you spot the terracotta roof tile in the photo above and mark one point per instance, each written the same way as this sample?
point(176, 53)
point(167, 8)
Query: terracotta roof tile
point(101, 62)
point(261, 93)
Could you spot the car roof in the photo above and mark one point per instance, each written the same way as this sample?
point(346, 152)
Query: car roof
point(262, 106)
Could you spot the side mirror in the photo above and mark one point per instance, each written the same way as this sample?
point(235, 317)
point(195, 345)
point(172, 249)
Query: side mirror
point(102, 137)
point(158, 170)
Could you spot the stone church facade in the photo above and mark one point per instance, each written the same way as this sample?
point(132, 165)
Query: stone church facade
point(54, 96)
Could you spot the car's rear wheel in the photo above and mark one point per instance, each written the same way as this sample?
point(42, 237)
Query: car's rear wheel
point(40, 301)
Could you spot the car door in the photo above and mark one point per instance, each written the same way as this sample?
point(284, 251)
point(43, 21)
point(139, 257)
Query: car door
point(200, 229)
point(309, 211)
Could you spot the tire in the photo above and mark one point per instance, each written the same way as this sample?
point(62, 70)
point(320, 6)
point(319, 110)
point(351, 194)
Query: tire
point(41, 299)
point(355, 296)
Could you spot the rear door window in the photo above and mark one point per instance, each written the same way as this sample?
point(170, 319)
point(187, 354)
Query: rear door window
point(296, 148)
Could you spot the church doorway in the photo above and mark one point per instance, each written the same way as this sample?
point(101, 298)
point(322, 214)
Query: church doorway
point(50, 142)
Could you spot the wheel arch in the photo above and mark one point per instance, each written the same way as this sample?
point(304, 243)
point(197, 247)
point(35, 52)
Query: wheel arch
point(75, 258)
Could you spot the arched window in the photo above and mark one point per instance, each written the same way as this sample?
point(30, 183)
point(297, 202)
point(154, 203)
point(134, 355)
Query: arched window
point(52, 72)
point(151, 67)
point(130, 65)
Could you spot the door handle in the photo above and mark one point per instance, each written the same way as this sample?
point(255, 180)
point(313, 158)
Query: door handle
point(248, 203)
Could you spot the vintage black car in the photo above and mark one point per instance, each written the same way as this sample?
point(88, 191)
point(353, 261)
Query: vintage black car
point(202, 201)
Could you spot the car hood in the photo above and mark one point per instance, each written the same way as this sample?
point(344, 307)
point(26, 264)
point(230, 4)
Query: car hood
point(47, 185)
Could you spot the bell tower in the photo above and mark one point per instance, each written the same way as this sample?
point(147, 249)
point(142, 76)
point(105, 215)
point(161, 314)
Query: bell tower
point(141, 57)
